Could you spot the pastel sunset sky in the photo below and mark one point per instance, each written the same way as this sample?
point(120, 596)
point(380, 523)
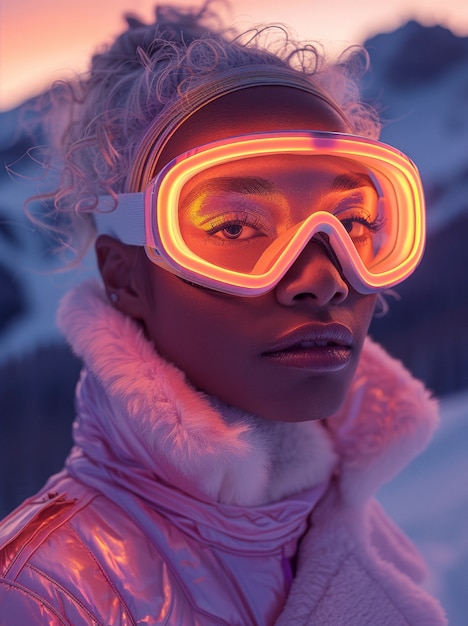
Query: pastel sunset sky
point(43, 40)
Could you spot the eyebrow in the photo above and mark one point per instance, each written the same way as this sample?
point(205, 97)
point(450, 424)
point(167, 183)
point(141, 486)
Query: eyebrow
point(245, 185)
point(349, 182)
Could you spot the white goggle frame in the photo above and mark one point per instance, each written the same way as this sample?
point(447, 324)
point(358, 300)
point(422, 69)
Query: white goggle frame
point(150, 218)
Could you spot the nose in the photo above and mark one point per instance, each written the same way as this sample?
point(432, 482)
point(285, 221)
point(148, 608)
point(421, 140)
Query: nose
point(315, 276)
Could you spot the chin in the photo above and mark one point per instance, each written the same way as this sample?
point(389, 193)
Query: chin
point(315, 408)
point(309, 411)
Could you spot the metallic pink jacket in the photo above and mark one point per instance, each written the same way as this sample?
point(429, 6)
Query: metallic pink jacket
point(174, 509)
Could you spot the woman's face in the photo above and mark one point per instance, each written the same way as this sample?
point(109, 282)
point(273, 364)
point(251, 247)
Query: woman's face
point(290, 354)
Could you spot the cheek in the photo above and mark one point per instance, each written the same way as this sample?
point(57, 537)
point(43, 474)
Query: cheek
point(366, 305)
point(209, 337)
point(369, 305)
point(189, 326)
point(359, 317)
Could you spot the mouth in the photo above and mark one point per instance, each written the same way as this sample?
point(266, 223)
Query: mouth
point(319, 348)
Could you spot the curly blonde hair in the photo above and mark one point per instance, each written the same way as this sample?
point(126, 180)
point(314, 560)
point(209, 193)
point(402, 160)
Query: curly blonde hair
point(105, 113)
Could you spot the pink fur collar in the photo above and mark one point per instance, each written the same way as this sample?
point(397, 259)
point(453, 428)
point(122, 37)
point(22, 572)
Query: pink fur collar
point(154, 417)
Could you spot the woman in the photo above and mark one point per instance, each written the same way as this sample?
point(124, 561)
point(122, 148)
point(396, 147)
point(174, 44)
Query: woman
point(233, 420)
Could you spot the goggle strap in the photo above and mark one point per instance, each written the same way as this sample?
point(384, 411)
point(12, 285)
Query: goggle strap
point(124, 221)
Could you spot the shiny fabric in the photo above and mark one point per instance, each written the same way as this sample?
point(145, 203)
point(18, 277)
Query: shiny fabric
point(174, 509)
point(95, 562)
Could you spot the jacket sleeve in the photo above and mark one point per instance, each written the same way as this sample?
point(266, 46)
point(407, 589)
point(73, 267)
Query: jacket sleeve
point(352, 570)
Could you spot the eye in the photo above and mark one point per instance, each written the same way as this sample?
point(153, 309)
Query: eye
point(356, 226)
point(242, 227)
point(360, 227)
point(233, 231)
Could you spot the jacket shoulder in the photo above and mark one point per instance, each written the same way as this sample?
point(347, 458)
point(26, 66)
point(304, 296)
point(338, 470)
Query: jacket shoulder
point(77, 557)
point(27, 525)
point(48, 573)
point(29, 593)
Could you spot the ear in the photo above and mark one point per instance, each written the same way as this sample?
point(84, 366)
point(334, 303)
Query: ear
point(119, 264)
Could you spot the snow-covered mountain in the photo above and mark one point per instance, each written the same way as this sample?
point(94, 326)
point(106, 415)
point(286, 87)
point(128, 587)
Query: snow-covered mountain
point(419, 79)
point(30, 278)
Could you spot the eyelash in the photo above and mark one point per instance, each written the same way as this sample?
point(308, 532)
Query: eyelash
point(374, 225)
point(251, 221)
point(371, 227)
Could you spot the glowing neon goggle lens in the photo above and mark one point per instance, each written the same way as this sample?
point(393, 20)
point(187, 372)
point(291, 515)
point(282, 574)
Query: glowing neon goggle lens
point(234, 215)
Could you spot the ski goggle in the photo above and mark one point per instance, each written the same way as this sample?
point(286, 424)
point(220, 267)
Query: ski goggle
point(234, 215)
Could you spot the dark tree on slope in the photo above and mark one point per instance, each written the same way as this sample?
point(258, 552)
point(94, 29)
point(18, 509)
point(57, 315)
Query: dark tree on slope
point(36, 414)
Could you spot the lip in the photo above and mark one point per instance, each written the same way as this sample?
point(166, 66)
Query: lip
point(319, 348)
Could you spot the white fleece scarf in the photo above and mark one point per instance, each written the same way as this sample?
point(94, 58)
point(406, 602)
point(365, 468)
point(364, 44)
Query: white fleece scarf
point(158, 420)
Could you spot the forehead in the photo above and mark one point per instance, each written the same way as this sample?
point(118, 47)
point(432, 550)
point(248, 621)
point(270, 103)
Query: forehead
point(255, 109)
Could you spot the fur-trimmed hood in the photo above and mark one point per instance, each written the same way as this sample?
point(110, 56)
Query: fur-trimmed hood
point(151, 417)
